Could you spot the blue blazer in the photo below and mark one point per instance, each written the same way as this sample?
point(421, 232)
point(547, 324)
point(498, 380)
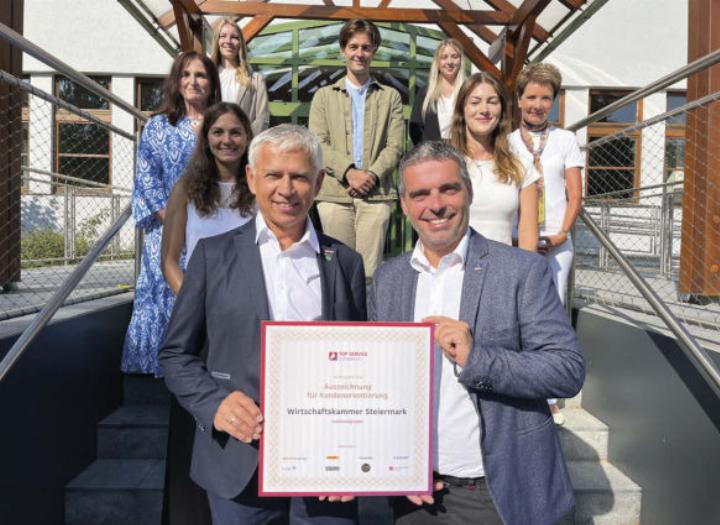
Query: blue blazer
point(212, 345)
point(524, 351)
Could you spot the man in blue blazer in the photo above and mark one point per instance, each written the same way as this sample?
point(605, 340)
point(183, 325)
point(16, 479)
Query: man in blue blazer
point(275, 267)
point(503, 346)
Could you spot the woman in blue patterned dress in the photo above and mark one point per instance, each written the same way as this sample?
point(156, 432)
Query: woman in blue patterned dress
point(165, 147)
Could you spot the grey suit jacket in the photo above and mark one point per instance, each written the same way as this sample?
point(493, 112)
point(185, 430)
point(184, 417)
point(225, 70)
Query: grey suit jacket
point(212, 345)
point(524, 351)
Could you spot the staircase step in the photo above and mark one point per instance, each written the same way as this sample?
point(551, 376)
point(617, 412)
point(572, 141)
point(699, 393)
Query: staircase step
point(141, 389)
point(134, 431)
point(604, 495)
point(573, 402)
point(117, 492)
point(583, 437)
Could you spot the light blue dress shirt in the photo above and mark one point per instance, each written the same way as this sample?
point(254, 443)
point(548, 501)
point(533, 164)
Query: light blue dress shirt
point(357, 101)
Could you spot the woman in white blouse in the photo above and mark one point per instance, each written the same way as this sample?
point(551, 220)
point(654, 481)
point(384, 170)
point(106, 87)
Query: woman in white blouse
point(433, 109)
point(556, 156)
point(238, 82)
point(212, 197)
point(503, 186)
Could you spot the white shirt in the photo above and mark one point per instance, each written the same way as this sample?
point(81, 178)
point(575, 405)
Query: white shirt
point(561, 152)
point(456, 448)
point(223, 219)
point(445, 107)
point(292, 276)
point(229, 86)
point(495, 204)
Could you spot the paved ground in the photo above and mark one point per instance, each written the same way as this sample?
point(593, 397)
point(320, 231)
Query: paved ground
point(39, 284)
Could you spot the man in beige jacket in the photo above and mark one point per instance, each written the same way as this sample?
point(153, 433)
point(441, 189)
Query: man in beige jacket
point(360, 125)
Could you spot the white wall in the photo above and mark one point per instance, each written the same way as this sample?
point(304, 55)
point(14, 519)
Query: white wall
point(92, 36)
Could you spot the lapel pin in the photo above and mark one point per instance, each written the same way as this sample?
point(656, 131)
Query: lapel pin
point(328, 253)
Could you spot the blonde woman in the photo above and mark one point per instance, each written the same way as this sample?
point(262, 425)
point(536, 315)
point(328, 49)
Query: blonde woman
point(433, 110)
point(238, 82)
point(503, 187)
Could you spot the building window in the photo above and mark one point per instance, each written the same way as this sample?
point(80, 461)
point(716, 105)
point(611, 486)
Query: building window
point(82, 147)
point(149, 94)
point(675, 136)
point(613, 164)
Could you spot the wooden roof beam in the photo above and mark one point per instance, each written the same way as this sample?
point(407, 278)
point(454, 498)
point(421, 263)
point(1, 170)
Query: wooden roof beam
point(516, 48)
point(476, 56)
point(377, 14)
point(528, 9)
point(480, 30)
point(540, 34)
point(255, 25)
point(573, 4)
point(189, 25)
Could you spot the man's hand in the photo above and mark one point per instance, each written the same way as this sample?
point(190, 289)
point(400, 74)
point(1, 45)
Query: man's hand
point(361, 182)
point(419, 500)
point(453, 337)
point(239, 416)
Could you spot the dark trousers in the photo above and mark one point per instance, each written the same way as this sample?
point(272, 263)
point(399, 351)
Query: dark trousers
point(250, 509)
point(454, 505)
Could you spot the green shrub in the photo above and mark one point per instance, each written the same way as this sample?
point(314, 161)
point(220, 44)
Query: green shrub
point(41, 244)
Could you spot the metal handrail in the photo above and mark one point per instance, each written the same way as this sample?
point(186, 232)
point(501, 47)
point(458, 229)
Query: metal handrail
point(707, 99)
point(57, 300)
point(668, 80)
point(17, 40)
point(69, 178)
point(29, 88)
point(697, 354)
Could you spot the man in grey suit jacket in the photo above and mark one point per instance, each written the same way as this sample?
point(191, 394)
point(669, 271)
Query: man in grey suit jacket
point(503, 345)
point(274, 267)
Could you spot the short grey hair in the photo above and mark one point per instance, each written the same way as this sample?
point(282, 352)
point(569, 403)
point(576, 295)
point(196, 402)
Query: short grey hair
point(288, 137)
point(437, 150)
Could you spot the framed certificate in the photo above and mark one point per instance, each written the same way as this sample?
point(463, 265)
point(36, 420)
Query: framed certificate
point(348, 408)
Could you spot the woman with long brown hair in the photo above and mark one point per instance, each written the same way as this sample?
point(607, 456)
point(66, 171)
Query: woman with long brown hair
point(166, 144)
point(238, 82)
point(503, 187)
point(213, 196)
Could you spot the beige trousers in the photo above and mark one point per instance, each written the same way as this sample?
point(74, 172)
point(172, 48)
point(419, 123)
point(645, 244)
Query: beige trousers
point(361, 225)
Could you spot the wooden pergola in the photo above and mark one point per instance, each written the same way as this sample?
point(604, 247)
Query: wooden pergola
point(509, 47)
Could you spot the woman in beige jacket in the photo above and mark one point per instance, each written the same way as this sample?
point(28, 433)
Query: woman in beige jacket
point(238, 82)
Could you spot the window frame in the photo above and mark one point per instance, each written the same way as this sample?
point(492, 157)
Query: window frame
point(63, 116)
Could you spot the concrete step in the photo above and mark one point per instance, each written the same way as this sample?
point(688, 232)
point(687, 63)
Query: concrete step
point(604, 495)
point(116, 492)
point(134, 431)
point(144, 389)
point(583, 437)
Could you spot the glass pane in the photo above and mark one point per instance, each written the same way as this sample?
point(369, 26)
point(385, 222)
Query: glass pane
point(599, 100)
point(675, 100)
point(674, 155)
point(151, 95)
point(79, 96)
point(88, 168)
point(274, 121)
point(278, 45)
point(617, 152)
point(320, 42)
point(83, 138)
point(395, 45)
point(605, 181)
point(554, 116)
point(425, 50)
point(312, 78)
point(24, 152)
point(397, 78)
point(278, 80)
